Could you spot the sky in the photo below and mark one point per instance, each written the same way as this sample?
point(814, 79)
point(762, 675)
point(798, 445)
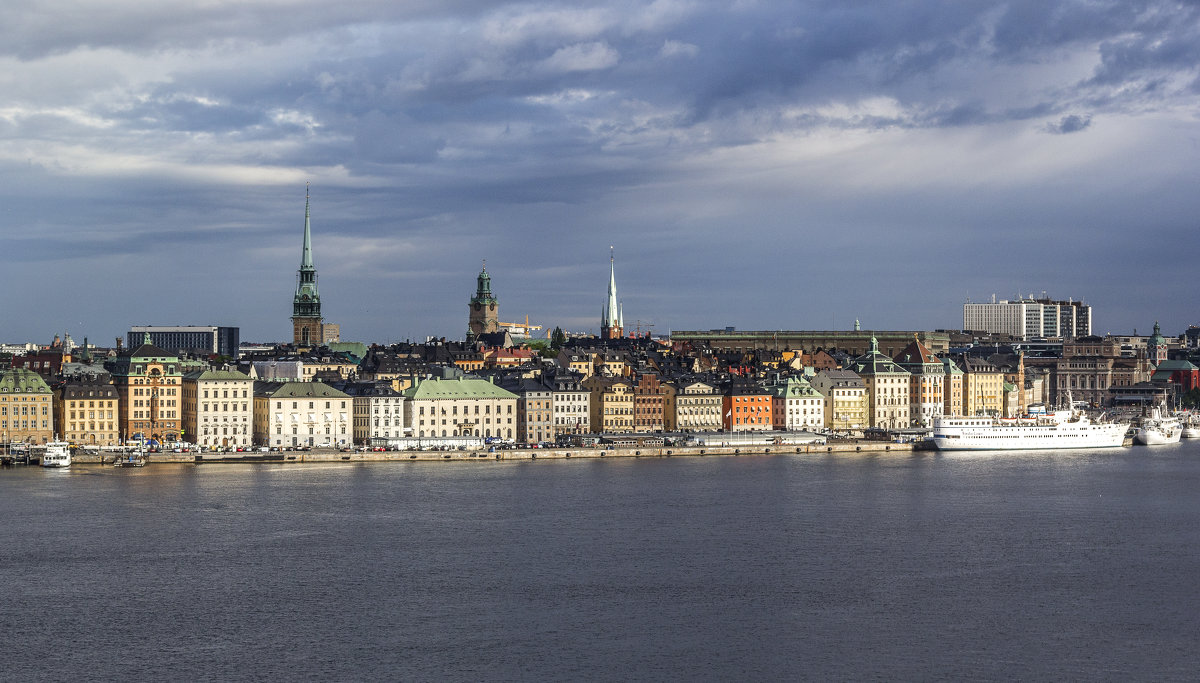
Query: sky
point(763, 165)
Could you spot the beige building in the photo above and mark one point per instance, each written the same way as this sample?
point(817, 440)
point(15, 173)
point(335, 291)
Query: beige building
point(887, 386)
point(378, 411)
point(26, 407)
point(87, 413)
point(575, 361)
point(149, 384)
point(460, 407)
point(691, 406)
point(612, 404)
point(983, 387)
point(845, 399)
point(1090, 366)
point(927, 383)
point(952, 388)
point(218, 409)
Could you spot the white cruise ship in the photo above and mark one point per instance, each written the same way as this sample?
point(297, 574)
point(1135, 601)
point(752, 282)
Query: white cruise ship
point(1059, 429)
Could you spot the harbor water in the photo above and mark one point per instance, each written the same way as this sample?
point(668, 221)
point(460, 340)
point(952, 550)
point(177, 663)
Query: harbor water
point(1061, 565)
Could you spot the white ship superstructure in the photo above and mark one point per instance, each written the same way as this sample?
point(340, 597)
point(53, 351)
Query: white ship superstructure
point(1059, 429)
point(1158, 429)
point(58, 454)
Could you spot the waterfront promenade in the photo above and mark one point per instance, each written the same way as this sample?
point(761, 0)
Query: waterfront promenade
point(334, 455)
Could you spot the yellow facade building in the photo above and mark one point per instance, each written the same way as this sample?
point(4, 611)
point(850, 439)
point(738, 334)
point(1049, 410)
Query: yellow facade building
point(87, 413)
point(26, 407)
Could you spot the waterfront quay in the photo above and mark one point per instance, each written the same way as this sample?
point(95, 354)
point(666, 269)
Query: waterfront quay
point(326, 455)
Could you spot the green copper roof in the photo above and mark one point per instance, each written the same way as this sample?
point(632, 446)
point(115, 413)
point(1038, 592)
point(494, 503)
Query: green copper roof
point(483, 289)
point(461, 388)
point(22, 381)
point(793, 388)
point(307, 390)
point(216, 375)
point(356, 349)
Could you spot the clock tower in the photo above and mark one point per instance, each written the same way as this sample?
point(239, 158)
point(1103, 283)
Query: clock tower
point(483, 318)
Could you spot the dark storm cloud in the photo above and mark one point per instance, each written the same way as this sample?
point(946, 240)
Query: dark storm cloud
point(1071, 123)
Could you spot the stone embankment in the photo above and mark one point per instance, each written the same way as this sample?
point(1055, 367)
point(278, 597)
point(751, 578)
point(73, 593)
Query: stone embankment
point(329, 455)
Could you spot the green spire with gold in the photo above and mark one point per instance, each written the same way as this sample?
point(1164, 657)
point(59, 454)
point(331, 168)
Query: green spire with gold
point(307, 302)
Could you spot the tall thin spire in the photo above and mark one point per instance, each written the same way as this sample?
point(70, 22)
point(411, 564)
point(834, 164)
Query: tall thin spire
point(307, 302)
point(612, 320)
point(306, 258)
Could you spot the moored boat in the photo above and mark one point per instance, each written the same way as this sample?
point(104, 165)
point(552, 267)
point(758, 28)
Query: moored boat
point(1158, 429)
point(131, 460)
point(58, 454)
point(1190, 426)
point(1057, 429)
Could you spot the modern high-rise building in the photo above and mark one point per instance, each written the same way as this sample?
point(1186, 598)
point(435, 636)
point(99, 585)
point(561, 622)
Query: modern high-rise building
point(1030, 318)
point(197, 339)
point(612, 317)
point(307, 324)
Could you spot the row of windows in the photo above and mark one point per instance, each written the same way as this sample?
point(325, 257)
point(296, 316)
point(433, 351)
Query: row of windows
point(24, 424)
point(91, 414)
point(487, 410)
point(225, 393)
point(25, 410)
point(224, 407)
point(311, 430)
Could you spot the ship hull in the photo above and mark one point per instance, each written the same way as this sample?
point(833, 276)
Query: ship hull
point(1028, 437)
point(1155, 436)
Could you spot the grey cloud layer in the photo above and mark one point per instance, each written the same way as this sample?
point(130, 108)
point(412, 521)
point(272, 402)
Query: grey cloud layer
point(580, 125)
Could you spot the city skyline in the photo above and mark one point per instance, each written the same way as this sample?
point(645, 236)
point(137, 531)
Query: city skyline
point(758, 166)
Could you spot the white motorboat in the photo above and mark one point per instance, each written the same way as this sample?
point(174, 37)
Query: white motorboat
point(1158, 429)
point(58, 454)
point(1190, 425)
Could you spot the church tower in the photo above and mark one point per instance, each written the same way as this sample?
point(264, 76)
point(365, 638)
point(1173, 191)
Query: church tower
point(483, 319)
point(307, 330)
point(612, 317)
point(1156, 346)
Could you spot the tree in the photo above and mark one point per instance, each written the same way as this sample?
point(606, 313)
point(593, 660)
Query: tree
point(557, 338)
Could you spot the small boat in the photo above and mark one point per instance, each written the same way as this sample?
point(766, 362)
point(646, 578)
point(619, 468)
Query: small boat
point(131, 460)
point(58, 454)
point(1191, 429)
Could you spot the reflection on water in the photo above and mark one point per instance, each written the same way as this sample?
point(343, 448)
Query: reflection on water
point(1074, 564)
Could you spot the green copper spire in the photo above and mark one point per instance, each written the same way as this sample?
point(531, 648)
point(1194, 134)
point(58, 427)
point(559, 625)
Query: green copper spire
point(306, 257)
point(483, 288)
point(307, 302)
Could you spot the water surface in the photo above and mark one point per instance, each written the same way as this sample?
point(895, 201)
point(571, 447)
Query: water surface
point(1060, 565)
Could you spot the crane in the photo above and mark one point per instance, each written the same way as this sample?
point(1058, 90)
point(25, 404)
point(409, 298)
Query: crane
point(512, 327)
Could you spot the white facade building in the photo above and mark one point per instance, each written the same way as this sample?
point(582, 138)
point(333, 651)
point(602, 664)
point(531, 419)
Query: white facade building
point(218, 409)
point(293, 414)
point(378, 411)
point(796, 406)
point(1029, 318)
